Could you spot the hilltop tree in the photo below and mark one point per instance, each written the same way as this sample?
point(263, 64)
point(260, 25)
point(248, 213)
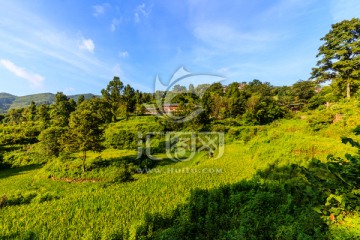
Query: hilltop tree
point(340, 57)
point(112, 94)
point(85, 131)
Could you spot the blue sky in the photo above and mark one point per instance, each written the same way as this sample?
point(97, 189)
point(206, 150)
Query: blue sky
point(78, 46)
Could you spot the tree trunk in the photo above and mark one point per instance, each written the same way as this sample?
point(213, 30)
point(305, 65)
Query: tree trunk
point(348, 90)
point(83, 161)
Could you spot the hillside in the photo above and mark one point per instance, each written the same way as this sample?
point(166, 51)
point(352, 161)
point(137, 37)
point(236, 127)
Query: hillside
point(201, 198)
point(8, 101)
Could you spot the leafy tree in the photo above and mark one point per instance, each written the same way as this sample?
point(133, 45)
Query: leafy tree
point(340, 57)
point(303, 90)
point(30, 112)
point(112, 94)
point(256, 86)
point(216, 88)
point(61, 110)
point(85, 131)
point(51, 140)
point(201, 88)
point(43, 115)
point(284, 95)
point(191, 88)
point(129, 100)
point(206, 103)
point(179, 89)
point(236, 100)
point(80, 99)
point(15, 116)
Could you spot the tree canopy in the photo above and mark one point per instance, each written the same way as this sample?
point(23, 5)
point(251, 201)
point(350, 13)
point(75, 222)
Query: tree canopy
point(340, 57)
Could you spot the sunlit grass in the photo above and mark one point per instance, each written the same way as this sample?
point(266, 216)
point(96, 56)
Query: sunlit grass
point(89, 210)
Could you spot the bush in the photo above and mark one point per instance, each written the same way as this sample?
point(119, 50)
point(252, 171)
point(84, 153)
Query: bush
point(124, 173)
point(320, 120)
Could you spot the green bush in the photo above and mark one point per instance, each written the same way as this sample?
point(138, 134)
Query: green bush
point(320, 120)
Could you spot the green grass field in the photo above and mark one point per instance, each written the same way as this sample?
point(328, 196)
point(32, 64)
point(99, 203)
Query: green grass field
point(45, 208)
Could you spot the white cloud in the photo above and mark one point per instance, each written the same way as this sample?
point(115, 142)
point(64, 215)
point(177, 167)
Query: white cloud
point(115, 23)
point(123, 54)
point(100, 9)
point(141, 11)
point(87, 44)
point(344, 9)
point(34, 79)
point(42, 43)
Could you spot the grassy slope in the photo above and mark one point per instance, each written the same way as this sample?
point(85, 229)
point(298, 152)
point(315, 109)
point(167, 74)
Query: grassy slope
point(89, 210)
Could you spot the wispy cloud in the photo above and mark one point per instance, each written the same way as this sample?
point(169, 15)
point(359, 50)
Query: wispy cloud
point(99, 10)
point(46, 44)
point(142, 11)
point(34, 79)
point(115, 23)
point(87, 44)
point(123, 54)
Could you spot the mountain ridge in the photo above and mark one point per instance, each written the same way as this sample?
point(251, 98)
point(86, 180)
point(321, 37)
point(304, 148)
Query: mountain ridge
point(9, 101)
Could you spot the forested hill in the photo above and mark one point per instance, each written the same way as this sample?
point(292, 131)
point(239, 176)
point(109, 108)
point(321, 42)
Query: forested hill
point(8, 101)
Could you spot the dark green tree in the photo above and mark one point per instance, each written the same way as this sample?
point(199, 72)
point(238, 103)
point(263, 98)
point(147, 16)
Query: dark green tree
point(43, 115)
point(51, 140)
point(61, 110)
point(112, 94)
point(30, 112)
point(129, 100)
point(303, 90)
point(85, 129)
point(340, 57)
point(80, 99)
point(15, 116)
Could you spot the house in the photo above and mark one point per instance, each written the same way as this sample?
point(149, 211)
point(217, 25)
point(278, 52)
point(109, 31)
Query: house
point(167, 108)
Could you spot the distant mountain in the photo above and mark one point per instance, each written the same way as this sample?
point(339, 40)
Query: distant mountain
point(86, 95)
point(41, 98)
point(8, 101)
point(5, 101)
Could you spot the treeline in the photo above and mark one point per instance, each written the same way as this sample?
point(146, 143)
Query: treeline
point(253, 103)
point(69, 126)
point(78, 125)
